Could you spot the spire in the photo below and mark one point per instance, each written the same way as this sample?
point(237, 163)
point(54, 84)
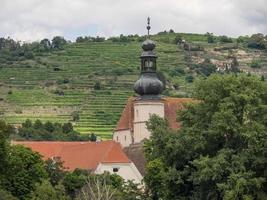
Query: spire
point(148, 84)
point(148, 27)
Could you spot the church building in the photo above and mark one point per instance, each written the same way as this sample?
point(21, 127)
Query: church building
point(131, 128)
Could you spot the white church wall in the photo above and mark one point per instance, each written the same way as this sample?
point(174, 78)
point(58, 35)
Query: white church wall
point(123, 136)
point(127, 171)
point(142, 112)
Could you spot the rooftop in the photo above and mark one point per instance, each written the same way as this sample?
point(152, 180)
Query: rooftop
point(82, 155)
point(171, 105)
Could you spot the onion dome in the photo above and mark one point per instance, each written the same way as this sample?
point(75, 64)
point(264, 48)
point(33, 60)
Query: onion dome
point(148, 82)
point(148, 45)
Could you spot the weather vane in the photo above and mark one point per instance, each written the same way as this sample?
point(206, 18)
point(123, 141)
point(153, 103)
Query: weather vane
point(148, 26)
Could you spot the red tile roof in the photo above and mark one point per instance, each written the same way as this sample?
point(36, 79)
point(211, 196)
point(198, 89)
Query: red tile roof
point(83, 155)
point(127, 116)
point(171, 106)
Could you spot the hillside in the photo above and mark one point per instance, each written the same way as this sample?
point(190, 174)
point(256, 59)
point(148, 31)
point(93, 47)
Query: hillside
point(94, 79)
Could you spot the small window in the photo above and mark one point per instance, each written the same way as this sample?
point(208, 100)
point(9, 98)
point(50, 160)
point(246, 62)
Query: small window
point(117, 138)
point(125, 137)
point(115, 169)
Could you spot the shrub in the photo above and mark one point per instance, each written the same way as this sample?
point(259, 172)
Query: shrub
point(255, 64)
point(97, 85)
point(67, 127)
point(59, 92)
point(75, 116)
point(210, 37)
point(178, 39)
point(225, 39)
point(189, 78)
point(18, 111)
point(257, 41)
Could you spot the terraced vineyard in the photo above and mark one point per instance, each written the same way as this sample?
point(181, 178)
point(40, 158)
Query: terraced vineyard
point(93, 79)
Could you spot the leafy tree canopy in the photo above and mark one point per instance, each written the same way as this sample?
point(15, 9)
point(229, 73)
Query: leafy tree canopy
point(220, 151)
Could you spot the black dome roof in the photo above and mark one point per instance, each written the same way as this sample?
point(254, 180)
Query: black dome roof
point(148, 45)
point(148, 84)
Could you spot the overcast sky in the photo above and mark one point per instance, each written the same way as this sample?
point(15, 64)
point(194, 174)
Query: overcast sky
point(36, 19)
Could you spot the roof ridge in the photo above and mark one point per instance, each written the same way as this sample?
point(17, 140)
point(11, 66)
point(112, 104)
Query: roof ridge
point(108, 151)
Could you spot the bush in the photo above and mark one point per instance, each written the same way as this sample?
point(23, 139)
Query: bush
point(67, 127)
point(97, 85)
point(189, 78)
point(59, 92)
point(257, 41)
point(177, 72)
point(210, 38)
point(225, 39)
point(255, 64)
point(75, 116)
point(5, 195)
point(178, 39)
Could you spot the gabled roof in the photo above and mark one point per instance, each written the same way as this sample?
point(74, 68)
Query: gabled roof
point(127, 116)
point(171, 106)
point(83, 155)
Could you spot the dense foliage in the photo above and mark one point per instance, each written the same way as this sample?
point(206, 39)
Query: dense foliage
point(50, 131)
point(220, 151)
point(11, 50)
point(25, 176)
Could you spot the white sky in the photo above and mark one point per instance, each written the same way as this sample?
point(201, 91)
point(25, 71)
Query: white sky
point(36, 19)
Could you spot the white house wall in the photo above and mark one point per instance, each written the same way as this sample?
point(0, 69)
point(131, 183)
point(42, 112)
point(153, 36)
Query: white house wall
point(127, 171)
point(123, 136)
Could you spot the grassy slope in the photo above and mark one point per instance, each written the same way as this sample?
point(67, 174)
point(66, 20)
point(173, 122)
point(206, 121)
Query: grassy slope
point(28, 87)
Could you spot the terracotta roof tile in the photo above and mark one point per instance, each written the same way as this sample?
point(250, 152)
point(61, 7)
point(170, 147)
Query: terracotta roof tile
point(126, 119)
point(83, 155)
point(171, 106)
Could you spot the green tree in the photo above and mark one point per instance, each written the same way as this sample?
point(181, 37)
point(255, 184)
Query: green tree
point(225, 39)
point(205, 68)
point(5, 195)
point(27, 124)
point(178, 39)
point(257, 41)
point(210, 37)
point(38, 124)
point(74, 181)
point(5, 131)
point(55, 170)
point(67, 127)
point(25, 169)
point(97, 85)
point(49, 126)
point(93, 137)
point(75, 116)
point(45, 191)
point(46, 45)
point(220, 151)
point(58, 42)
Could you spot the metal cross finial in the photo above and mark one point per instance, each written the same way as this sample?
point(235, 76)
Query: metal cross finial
point(148, 25)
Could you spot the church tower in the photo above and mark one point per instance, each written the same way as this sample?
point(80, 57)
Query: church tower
point(131, 128)
point(149, 88)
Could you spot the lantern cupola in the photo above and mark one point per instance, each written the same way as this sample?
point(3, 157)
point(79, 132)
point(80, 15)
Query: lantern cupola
point(148, 83)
